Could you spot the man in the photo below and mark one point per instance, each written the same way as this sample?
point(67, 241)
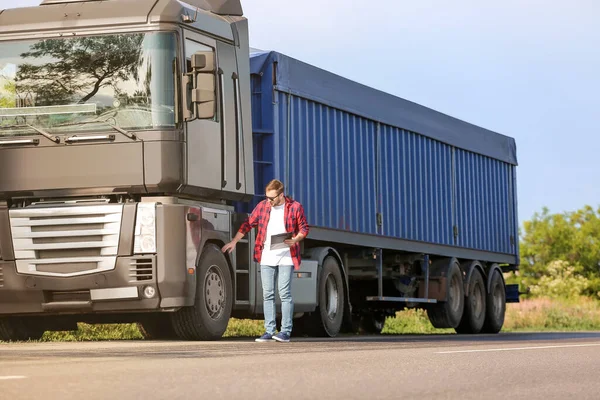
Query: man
point(276, 214)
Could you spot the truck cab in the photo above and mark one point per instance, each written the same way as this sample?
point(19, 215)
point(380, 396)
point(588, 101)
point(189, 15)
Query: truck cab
point(124, 137)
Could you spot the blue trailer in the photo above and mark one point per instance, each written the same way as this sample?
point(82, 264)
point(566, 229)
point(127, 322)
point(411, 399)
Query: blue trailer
point(415, 207)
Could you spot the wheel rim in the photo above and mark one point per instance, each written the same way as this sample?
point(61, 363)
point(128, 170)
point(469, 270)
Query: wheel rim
point(454, 293)
point(497, 300)
point(332, 296)
point(477, 301)
point(214, 293)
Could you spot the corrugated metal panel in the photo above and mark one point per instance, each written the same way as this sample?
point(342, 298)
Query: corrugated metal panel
point(262, 128)
point(327, 159)
point(345, 169)
point(484, 203)
point(416, 187)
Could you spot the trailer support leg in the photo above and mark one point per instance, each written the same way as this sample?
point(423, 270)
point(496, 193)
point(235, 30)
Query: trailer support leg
point(426, 271)
point(379, 272)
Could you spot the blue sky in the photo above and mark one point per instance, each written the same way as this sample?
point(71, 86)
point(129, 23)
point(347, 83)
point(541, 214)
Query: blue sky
point(526, 69)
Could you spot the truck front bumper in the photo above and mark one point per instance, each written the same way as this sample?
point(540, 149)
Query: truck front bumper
point(126, 288)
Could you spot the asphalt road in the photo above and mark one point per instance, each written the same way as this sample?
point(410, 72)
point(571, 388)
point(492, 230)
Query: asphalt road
point(520, 366)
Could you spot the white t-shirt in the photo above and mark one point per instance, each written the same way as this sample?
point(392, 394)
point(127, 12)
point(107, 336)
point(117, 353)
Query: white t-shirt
point(276, 226)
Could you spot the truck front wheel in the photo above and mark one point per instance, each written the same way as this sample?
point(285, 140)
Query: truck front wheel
point(207, 319)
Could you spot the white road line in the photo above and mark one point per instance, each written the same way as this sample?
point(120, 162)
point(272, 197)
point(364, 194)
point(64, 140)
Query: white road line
point(518, 348)
point(6, 378)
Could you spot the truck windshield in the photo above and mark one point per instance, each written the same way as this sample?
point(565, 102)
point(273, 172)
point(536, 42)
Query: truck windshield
point(74, 84)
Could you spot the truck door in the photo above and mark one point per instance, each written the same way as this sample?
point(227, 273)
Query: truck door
point(203, 136)
point(233, 149)
point(214, 146)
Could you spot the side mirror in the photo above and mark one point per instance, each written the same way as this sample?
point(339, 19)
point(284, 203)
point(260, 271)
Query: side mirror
point(203, 61)
point(204, 96)
point(203, 91)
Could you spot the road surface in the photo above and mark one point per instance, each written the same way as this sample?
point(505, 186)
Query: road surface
point(521, 366)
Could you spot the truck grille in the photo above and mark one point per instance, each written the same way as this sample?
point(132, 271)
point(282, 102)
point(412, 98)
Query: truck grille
point(141, 269)
point(66, 241)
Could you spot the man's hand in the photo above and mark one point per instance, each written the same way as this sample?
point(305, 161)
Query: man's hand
point(229, 247)
point(294, 240)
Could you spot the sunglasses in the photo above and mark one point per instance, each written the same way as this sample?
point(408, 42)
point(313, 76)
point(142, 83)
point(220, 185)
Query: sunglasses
point(273, 198)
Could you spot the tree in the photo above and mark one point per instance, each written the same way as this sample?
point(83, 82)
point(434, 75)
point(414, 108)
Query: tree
point(74, 69)
point(570, 237)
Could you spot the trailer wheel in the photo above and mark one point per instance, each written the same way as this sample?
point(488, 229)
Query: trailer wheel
point(496, 305)
point(474, 313)
point(13, 330)
point(157, 327)
point(447, 314)
point(207, 319)
point(329, 315)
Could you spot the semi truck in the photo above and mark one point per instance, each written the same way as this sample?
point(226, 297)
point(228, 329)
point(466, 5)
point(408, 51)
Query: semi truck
point(137, 135)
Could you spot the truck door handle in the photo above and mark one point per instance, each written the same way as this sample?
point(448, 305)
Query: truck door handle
point(223, 130)
point(94, 138)
point(238, 128)
point(17, 142)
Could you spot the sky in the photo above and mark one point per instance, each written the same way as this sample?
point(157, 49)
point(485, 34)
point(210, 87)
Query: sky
point(525, 69)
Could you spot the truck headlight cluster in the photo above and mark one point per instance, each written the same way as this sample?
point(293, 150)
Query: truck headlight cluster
point(145, 229)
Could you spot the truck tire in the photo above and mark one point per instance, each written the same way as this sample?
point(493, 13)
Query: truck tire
point(329, 315)
point(157, 327)
point(474, 312)
point(448, 314)
point(13, 330)
point(496, 305)
point(208, 318)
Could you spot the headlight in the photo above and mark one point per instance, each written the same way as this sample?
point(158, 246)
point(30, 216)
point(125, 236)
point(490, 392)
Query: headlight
point(145, 229)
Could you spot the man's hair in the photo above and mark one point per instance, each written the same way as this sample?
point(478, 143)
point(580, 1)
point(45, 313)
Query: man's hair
point(275, 184)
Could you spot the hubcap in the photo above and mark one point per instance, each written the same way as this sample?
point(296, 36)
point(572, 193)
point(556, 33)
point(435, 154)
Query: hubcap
point(497, 300)
point(214, 294)
point(477, 305)
point(332, 296)
point(454, 299)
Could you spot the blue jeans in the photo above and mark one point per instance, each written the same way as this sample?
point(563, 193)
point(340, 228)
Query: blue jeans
point(283, 275)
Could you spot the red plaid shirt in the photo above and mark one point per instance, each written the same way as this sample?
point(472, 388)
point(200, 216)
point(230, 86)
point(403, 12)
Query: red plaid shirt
point(295, 221)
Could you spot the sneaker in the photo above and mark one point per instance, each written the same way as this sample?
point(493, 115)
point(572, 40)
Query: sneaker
point(266, 337)
point(282, 337)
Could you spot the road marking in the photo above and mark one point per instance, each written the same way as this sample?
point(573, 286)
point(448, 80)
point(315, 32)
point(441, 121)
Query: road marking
point(519, 348)
point(6, 378)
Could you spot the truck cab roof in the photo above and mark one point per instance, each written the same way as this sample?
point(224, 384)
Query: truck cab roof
point(79, 16)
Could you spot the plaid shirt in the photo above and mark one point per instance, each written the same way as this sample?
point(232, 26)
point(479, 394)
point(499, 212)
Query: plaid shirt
point(295, 221)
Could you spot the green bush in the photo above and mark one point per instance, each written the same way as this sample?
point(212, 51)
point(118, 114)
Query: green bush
point(560, 281)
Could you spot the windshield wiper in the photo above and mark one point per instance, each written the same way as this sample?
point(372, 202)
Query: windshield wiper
point(130, 135)
point(54, 138)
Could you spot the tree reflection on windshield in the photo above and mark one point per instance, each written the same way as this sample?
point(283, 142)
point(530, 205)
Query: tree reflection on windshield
point(56, 83)
point(79, 67)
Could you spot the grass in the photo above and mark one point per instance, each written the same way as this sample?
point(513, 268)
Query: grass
point(582, 314)
point(542, 314)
